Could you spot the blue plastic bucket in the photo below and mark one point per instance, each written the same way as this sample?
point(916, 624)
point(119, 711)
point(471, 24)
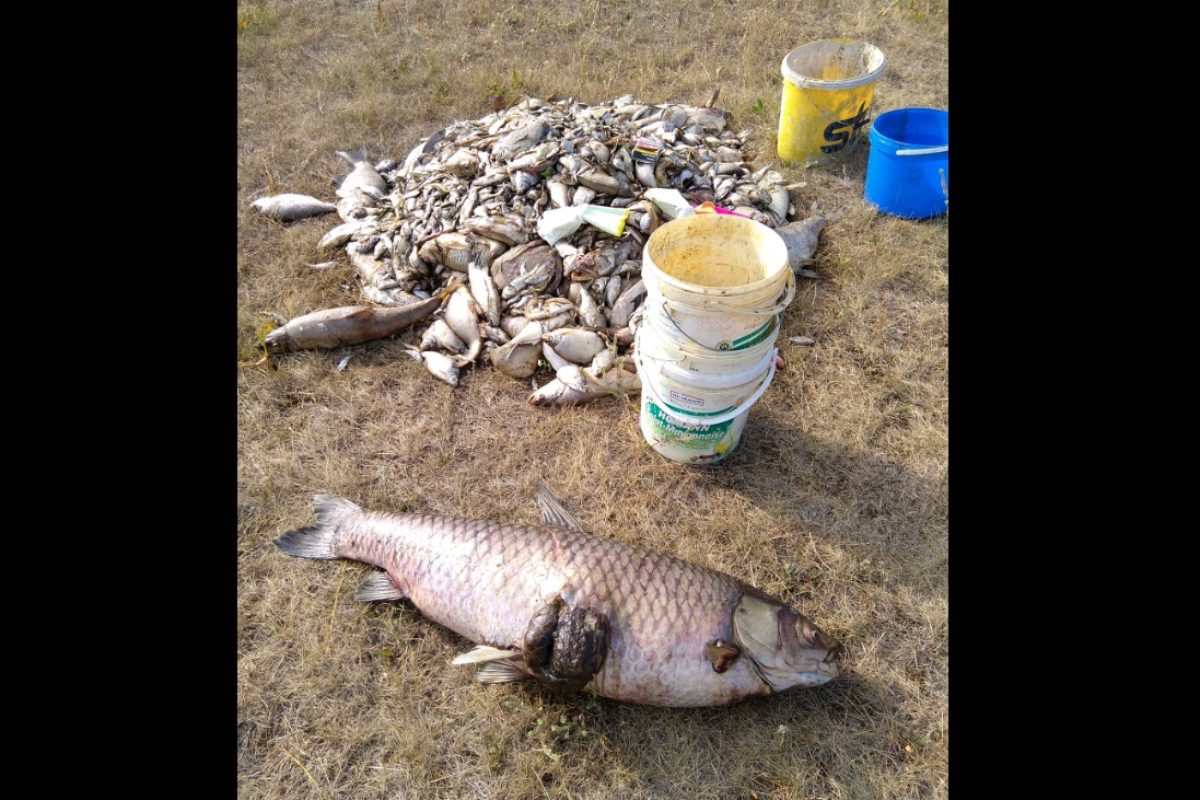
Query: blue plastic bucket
point(908, 170)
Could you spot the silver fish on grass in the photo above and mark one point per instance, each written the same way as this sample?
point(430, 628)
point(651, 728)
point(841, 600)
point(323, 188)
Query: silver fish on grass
point(334, 327)
point(573, 384)
point(440, 365)
point(363, 176)
point(291, 207)
point(555, 604)
point(801, 238)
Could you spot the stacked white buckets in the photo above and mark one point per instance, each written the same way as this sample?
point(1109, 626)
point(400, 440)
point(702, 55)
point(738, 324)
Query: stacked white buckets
point(705, 351)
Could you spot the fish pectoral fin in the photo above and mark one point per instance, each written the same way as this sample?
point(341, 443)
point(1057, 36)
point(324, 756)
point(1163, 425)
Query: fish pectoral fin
point(500, 672)
point(551, 510)
point(721, 654)
point(378, 587)
point(484, 653)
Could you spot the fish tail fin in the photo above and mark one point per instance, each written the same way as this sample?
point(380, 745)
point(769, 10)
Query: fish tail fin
point(355, 156)
point(317, 541)
point(449, 288)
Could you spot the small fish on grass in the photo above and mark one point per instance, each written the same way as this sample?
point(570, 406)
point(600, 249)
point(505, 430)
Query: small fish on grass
point(291, 207)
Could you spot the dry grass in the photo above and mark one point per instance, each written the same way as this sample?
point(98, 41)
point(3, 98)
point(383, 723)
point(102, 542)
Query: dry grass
point(836, 499)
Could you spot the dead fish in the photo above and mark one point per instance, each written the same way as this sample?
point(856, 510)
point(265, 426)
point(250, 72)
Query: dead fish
point(535, 259)
point(801, 238)
point(626, 304)
point(338, 236)
point(463, 163)
point(612, 292)
point(438, 335)
point(321, 264)
point(356, 206)
point(590, 312)
point(290, 207)
point(604, 361)
point(335, 327)
point(513, 324)
point(560, 193)
point(363, 176)
point(484, 291)
point(546, 308)
point(451, 249)
point(558, 605)
point(493, 334)
point(552, 357)
point(519, 358)
point(442, 366)
point(575, 385)
point(373, 271)
point(502, 229)
point(519, 140)
point(462, 317)
point(391, 297)
point(603, 183)
point(575, 344)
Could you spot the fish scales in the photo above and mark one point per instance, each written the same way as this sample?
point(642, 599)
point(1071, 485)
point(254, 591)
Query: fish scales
point(486, 581)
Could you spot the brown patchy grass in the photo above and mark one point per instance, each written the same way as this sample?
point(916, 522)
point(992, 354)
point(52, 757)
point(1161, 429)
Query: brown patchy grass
point(836, 499)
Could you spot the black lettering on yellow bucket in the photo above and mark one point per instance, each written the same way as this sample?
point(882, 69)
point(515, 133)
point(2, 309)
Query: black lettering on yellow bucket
point(843, 130)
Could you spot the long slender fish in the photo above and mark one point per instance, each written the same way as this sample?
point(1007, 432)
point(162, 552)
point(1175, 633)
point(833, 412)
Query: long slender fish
point(558, 605)
point(334, 327)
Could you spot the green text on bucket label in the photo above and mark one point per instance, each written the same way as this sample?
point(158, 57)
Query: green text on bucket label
point(689, 436)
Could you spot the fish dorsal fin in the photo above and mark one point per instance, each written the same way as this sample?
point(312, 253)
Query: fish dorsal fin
point(362, 314)
point(551, 510)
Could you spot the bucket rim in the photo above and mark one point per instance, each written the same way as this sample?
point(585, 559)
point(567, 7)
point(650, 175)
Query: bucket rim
point(805, 82)
point(715, 292)
point(875, 135)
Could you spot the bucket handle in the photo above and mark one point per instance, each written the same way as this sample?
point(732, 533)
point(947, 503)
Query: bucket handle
point(648, 387)
point(923, 151)
point(741, 312)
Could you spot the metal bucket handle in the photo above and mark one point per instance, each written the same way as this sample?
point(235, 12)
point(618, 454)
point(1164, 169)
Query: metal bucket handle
point(741, 312)
point(648, 386)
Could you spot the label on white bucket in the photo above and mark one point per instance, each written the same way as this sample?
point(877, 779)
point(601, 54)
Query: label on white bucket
point(695, 437)
point(685, 399)
point(689, 444)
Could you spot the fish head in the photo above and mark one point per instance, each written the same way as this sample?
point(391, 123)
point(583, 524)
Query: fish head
point(785, 648)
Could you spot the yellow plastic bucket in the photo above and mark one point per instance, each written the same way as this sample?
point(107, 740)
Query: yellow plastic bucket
point(828, 87)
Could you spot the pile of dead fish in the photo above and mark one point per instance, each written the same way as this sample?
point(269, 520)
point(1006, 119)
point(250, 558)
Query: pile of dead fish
point(459, 218)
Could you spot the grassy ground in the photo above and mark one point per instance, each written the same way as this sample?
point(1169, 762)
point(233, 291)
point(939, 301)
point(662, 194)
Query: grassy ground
point(835, 501)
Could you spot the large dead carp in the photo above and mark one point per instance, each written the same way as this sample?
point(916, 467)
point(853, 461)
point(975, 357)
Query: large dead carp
point(556, 604)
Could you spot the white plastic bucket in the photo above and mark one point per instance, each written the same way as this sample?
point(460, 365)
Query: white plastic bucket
point(720, 280)
point(695, 417)
point(673, 346)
